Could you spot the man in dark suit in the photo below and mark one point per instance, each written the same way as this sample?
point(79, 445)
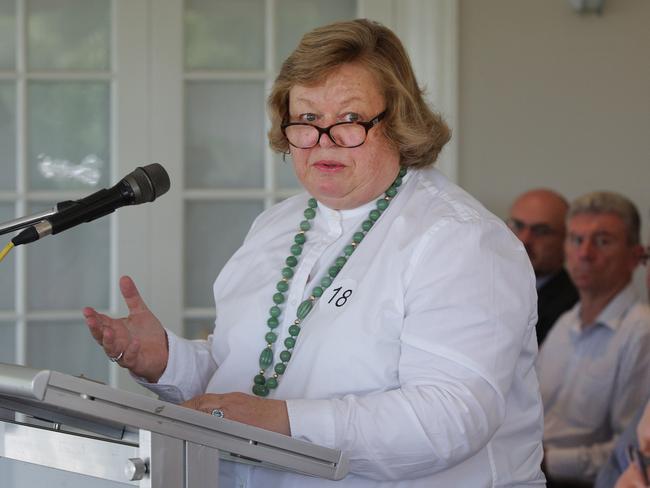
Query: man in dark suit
point(537, 218)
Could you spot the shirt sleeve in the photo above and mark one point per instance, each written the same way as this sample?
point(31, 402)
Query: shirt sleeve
point(617, 461)
point(189, 369)
point(469, 307)
point(632, 390)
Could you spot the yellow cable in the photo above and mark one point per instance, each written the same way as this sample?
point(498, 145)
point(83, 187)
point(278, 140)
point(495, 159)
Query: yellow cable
point(6, 250)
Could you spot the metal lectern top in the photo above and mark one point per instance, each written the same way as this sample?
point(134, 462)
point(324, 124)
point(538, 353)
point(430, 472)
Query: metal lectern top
point(92, 406)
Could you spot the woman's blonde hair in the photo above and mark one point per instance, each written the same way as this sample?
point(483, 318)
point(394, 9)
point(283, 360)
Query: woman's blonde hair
point(410, 125)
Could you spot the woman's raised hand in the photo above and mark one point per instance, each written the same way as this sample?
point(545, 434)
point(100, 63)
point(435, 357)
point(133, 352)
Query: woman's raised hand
point(137, 342)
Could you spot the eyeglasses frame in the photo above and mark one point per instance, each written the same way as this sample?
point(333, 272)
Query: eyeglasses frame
point(537, 230)
point(326, 130)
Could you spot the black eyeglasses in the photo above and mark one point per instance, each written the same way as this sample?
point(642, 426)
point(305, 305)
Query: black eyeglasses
point(343, 134)
point(537, 230)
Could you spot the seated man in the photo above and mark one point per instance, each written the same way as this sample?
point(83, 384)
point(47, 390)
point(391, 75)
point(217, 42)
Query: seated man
point(593, 367)
point(537, 219)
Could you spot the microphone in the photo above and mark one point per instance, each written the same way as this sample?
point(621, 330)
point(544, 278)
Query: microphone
point(144, 184)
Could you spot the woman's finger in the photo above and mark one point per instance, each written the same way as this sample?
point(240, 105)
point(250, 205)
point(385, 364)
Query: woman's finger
point(111, 345)
point(130, 354)
point(131, 296)
point(94, 324)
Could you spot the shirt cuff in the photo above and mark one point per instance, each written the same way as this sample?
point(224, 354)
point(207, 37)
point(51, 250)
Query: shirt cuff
point(312, 421)
point(171, 374)
point(565, 463)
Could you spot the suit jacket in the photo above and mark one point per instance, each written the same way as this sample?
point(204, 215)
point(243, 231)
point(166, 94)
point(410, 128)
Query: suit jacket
point(553, 299)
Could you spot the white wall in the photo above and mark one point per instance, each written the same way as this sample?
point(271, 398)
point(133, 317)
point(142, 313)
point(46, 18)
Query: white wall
point(549, 97)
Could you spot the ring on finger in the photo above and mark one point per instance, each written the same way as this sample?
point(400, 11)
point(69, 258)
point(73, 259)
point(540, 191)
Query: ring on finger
point(217, 412)
point(116, 358)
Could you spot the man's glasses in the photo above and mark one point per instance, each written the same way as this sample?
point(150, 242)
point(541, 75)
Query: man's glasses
point(343, 134)
point(537, 230)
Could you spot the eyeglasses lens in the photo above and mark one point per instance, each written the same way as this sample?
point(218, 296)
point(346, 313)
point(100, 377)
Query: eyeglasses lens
point(345, 135)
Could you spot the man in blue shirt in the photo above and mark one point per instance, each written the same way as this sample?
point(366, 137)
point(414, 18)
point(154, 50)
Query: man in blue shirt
point(593, 366)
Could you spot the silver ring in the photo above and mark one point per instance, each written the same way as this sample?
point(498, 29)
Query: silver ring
point(217, 412)
point(116, 358)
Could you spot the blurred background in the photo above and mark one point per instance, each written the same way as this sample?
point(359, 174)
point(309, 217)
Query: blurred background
point(538, 93)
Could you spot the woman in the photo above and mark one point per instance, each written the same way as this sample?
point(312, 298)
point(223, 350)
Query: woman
point(383, 312)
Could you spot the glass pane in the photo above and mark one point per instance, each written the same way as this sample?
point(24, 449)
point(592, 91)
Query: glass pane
point(68, 34)
point(224, 135)
point(67, 347)
point(7, 342)
point(7, 34)
point(7, 134)
point(295, 17)
point(198, 328)
point(285, 175)
point(18, 474)
point(205, 257)
point(7, 278)
point(70, 270)
point(68, 127)
point(224, 34)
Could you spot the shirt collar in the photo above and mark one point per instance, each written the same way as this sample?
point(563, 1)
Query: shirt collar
point(614, 312)
point(340, 215)
point(540, 281)
point(612, 315)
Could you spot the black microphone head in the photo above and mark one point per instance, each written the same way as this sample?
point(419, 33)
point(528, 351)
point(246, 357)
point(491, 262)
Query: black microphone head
point(148, 182)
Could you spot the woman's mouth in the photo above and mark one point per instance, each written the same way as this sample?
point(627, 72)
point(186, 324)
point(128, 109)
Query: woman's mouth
point(328, 166)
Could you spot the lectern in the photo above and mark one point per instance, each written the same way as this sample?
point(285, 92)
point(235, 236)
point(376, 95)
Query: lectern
point(79, 425)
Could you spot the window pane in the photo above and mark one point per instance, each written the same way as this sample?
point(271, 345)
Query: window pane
point(221, 228)
point(7, 278)
point(67, 347)
point(7, 34)
point(70, 270)
point(224, 135)
point(18, 474)
point(7, 134)
point(285, 175)
point(198, 328)
point(7, 342)
point(224, 34)
point(68, 34)
point(296, 17)
point(68, 132)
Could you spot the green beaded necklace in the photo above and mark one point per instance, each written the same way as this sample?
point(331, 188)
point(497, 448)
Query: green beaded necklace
point(262, 384)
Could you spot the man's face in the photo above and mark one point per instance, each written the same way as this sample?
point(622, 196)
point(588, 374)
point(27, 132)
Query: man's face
point(600, 258)
point(537, 219)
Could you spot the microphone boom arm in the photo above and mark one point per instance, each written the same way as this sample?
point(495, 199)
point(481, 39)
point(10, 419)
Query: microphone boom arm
point(22, 222)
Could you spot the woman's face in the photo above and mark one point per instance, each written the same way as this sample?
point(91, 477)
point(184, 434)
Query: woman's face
point(343, 178)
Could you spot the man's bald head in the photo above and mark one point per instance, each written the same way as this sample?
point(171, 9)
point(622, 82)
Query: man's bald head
point(537, 218)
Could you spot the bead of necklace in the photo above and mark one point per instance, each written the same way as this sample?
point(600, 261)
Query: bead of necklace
point(263, 384)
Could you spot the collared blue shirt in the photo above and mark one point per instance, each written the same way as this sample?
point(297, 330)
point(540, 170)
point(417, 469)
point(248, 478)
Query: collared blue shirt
point(592, 380)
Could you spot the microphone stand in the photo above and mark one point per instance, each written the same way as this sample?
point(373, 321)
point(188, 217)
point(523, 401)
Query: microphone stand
point(22, 222)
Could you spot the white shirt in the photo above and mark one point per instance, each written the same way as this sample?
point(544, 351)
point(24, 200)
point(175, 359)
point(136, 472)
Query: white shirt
point(424, 376)
point(593, 380)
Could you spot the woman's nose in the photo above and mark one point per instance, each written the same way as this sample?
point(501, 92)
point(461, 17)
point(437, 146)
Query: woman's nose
point(325, 140)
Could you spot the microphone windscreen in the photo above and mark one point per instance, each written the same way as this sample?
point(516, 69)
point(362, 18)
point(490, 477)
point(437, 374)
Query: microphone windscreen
point(152, 181)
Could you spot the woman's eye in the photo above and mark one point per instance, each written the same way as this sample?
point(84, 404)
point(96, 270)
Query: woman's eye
point(351, 117)
point(308, 118)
